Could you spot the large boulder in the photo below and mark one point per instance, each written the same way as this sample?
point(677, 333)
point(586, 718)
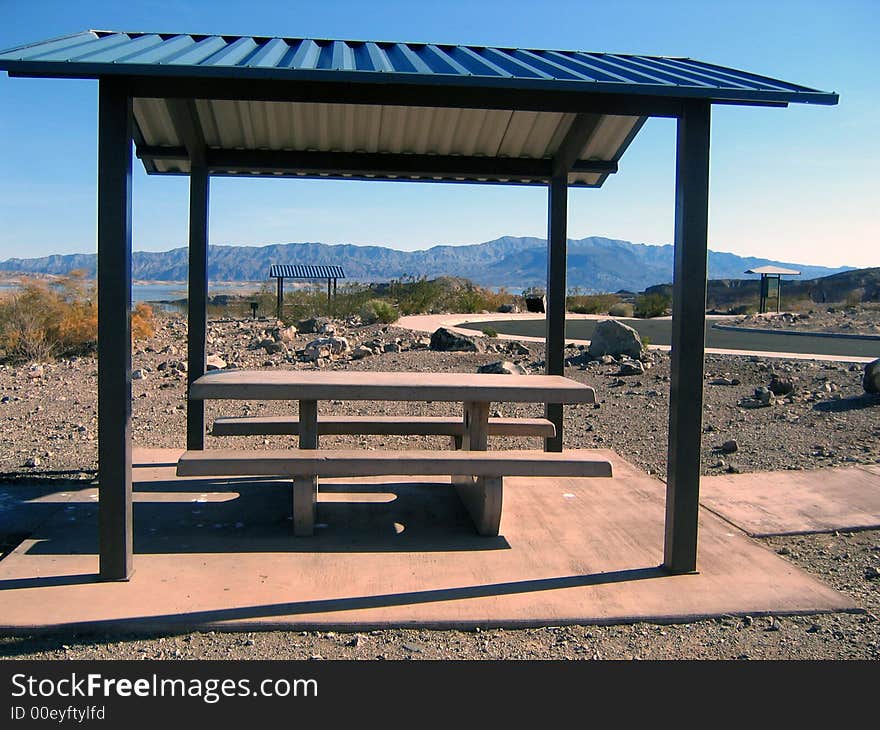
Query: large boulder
point(445, 340)
point(612, 337)
point(871, 380)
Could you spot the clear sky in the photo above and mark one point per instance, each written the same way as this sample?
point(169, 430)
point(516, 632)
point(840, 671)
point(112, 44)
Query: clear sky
point(797, 184)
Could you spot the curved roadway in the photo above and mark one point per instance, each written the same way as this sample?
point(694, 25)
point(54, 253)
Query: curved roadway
point(659, 332)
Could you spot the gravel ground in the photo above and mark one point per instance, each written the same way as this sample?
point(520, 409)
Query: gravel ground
point(48, 416)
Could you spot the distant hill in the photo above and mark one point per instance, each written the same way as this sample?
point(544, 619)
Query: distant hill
point(595, 264)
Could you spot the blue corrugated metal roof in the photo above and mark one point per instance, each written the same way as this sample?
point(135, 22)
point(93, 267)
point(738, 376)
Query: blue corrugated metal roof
point(98, 53)
point(306, 271)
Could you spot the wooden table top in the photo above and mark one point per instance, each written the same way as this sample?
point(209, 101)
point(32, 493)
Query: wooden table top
point(391, 386)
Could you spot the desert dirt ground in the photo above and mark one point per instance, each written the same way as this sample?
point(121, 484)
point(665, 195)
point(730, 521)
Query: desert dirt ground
point(48, 420)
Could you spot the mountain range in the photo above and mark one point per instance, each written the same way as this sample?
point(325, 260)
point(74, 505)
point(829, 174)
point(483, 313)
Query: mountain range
point(595, 264)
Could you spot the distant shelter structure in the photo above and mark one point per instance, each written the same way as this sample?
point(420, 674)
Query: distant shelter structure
point(768, 274)
point(280, 272)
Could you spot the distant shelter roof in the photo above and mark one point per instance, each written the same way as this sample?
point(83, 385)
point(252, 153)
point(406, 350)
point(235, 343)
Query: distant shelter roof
point(305, 271)
point(389, 111)
point(773, 271)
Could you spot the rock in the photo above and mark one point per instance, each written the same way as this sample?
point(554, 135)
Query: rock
point(508, 308)
point(445, 340)
point(612, 337)
point(35, 371)
point(287, 334)
point(326, 347)
point(360, 352)
point(517, 348)
point(607, 360)
point(273, 348)
point(729, 447)
point(763, 395)
point(733, 468)
point(631, 367)
point(724, 381)
point(781, 386)
point(871, 379)
point(502, 367)
point(138, 375)
point(391, 347)
point(33, 461)
point(214, 362)
point(313, 325)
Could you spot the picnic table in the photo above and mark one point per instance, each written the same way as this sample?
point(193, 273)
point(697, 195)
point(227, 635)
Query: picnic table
point(478, 477)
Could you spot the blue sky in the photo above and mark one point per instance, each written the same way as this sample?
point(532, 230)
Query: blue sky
point(797, 184)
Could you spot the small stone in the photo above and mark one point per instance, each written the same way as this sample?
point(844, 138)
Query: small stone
point(33, 461)
point(445, 340)
point(872, 573)
point(781, 386)
point(215, 362)
point(631, 367)
point(360, 352)
point(729, 447)
point(35, 371)
point(138, 375)
point(502, 367)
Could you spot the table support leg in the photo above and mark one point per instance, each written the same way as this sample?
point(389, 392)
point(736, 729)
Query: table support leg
point(481, 496)
point(305, 488)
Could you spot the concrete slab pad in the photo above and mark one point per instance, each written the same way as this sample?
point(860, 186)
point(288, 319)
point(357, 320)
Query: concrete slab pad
point(796, 502)
point(391, 552)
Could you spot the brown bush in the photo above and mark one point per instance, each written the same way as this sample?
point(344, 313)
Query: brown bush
point(41, 320)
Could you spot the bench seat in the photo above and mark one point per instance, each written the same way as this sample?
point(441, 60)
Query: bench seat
point(477, 475)
point(379, 425)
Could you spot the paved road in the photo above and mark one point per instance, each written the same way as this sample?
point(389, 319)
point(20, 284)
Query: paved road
point(659, 332)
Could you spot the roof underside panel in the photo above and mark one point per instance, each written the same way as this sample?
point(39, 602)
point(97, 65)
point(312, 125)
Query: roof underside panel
point(96, 53)
point(357, 128)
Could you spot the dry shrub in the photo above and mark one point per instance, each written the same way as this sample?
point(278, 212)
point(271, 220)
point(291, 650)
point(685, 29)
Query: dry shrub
point(42, 320)
point(143, 324)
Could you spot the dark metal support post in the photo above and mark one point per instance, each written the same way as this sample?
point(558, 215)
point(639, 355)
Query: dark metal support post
point(280, 304)
point(329, 282)
point(197, 301)
point(557, 240)
point(114, 330)
point(688, 337)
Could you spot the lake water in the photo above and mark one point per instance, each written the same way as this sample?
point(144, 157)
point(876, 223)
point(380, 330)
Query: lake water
point(169, 291)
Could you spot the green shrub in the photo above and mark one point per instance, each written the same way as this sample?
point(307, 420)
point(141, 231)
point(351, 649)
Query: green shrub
point(651, 305)
point(489, 332)
point(591, 303)
point(621, 309)
point(379, 310)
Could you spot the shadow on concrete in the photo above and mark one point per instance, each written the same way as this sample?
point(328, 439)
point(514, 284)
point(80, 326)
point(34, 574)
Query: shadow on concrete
point(209, 516)
point(182, 621)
